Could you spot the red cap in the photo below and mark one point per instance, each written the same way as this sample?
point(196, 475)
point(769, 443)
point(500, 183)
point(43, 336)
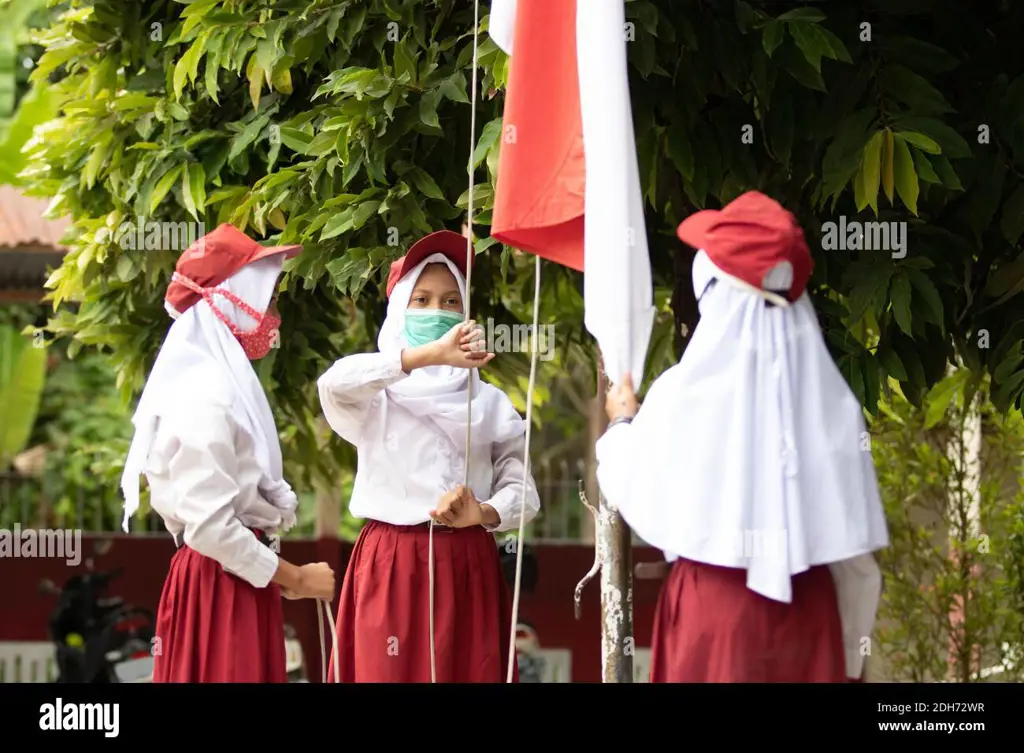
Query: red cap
point(749, 238)
point(447, 242)
point(215, 257)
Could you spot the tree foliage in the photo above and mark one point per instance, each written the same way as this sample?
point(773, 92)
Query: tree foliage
point(953, 593)
point(344, 126)
point(19, 114)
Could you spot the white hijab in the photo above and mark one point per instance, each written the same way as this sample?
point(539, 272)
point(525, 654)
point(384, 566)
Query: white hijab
point(201, 352)
point(752, 438)
point(438, 393)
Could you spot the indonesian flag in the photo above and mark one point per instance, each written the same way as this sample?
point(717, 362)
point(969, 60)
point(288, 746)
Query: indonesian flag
point(568, 186)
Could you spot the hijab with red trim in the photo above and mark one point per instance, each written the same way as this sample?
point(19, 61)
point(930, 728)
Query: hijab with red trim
point(201, 352)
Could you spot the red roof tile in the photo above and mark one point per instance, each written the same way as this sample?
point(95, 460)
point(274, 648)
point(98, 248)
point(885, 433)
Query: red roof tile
point(22, 226)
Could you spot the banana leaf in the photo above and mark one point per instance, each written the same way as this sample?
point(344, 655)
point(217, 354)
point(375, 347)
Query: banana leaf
point(22, 376)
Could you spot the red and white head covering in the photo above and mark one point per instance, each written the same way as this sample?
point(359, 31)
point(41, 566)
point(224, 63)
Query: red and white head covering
point(214, 258)
point(201, 352)
point(755, 245)
point(446, 242)
point(438, 393)
point(751, 452)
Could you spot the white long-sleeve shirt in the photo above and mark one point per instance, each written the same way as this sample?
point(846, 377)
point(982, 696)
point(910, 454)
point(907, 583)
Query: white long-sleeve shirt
point(203, 478)
point(407, 464)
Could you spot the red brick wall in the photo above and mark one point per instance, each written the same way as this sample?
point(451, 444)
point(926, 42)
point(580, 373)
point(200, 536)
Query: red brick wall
point(24, 612)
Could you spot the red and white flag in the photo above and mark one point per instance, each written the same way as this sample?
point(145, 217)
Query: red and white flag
point(568, 186)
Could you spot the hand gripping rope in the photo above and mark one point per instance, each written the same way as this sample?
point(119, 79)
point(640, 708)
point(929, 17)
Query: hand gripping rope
point(469, 396)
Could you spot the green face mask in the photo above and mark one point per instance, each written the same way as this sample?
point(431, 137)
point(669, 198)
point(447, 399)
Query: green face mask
point(423, 326)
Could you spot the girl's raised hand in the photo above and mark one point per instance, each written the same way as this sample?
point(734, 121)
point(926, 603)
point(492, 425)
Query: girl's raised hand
point(464, 346)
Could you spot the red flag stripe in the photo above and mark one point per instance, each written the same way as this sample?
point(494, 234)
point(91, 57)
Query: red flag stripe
point(539, 196)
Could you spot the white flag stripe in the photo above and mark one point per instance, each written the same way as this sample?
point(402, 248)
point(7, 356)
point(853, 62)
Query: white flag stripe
point(502, 24)
point(618, 296)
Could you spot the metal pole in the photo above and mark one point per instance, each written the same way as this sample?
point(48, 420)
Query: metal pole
point(617, 644)
point(613, 557)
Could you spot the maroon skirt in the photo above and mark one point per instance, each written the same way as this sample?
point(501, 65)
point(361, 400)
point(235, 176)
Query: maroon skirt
point(709, 627)
point(212, 626)
point(384, 613)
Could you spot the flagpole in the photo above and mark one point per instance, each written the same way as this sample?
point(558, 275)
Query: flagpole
point(615, 553)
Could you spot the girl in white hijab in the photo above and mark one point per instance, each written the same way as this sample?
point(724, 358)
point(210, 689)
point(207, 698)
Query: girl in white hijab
point(405, 408)
point(750, 466)
point(205, 439)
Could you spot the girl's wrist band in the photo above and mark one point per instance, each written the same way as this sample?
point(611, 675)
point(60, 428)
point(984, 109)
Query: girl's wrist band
point(621, 420)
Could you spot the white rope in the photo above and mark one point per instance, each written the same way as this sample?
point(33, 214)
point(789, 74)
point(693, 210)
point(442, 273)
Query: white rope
point(324, 608)
point(469, 391)
point(526, 475)
point(469, 279)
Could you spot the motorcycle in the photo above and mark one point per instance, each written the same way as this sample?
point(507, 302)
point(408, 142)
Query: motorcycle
point(102, 640)
point(99, 639)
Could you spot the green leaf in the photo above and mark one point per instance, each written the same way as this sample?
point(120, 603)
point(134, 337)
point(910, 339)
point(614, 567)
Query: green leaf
point(947, 174)
point(482, 193)
point(900, 294)
point(925, 171)
point(803, 72)
point(454, 88)
point(1009, 364)
point(892, 363)
point(869, 178)
point(180, 76)
point(983, 200)
point(163, 186)
point(177, 112)
point(363, 212)
point(1012, 224)
point(887, 163)
point(927, 290)
point(96, 160)
point(340, 223)
point(281, 79)
point(905, 176)
point(488, 139)
point(803, 14)
point(835, 44)
point(854, 373)
point(295, 139)
point(22, 375)
point(913, 90)
point(428, 111)
point(1006, 278)
point(844, 155)
point(193, 190)
point(921, 56)
point(249, 134)
point(952, 143)
point(921, 141)
point(680, 150)
point(941, 396)
point(194, 14)
point(404, 63)
point(772, 36)
point(812, 43)
point(869, 287)
point(37, 107)
point(426, 185)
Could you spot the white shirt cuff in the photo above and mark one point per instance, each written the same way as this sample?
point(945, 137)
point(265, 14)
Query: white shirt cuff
point(260, 570)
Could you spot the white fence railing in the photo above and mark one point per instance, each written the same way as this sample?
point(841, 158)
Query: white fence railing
point(27, 661)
